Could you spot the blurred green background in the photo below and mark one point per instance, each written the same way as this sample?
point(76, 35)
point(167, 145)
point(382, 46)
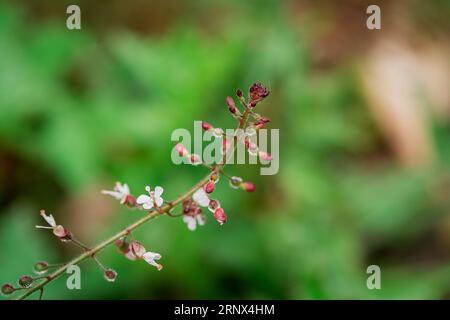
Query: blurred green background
point(364, 144)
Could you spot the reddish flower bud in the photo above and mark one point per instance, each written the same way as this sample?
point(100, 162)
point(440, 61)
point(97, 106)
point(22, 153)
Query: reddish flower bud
point(25, 281)
point(209, 187)
point(206, 126)
point(110, 275)
point(239, 93)
point(213, 205)
point(40, 267)
point(220, 216)
point(196, 211)
point(130, 201)
point(62, 233)
point(257, 92)
point(248, 186)
point(7, 289)
point(122, 245)
point(182, 151)
point(264, 120)
point(186, 206)
point(231, 105)
point(225, 145)
point(261, 122)
point(195, 159)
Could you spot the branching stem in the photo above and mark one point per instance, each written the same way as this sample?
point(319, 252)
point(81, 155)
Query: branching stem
point(91, 252)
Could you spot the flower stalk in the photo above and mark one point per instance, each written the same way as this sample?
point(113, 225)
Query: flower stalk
point(153, 204)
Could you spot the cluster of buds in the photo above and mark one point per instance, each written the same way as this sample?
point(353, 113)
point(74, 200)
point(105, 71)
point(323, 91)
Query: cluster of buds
point(257, 93)
point(27, 281)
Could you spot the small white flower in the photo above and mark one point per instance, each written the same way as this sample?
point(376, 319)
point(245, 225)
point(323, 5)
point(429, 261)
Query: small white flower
point(154, 198)
point(192, 221)
point(120, 192)
point(48, 218)
point(157, 196)
point(201, 197)
point(150, 258)
point(58, 230)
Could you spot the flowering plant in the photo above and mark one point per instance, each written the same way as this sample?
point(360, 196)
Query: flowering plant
point(153, 204)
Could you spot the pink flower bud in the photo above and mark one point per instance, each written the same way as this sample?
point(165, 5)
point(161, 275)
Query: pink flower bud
point(62, 233)
point(231, 105)
point(7, 289)
point(110, 275)
point(209, 187)
point(122, 245)
point(186, 206)
point(182, 151)
point(261, 122)
point(213, 205)
point(225, 145)
point(206, 126)
point(257, 92)
point(130, 201)
point(25, 281)
point(40, 267)
point(265, 156)
point(248, 186)
point(195, 159)
point(220, 216)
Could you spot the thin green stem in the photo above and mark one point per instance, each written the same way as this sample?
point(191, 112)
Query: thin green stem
point(124, 232)
point(91, 252)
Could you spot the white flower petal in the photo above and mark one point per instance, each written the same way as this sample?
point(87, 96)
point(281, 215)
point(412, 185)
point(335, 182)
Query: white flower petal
point(150, 258)
point(159, 201)
point(125, 189)
point(143, 198)
point(50, 220)
point(152, 255)
point(191, 222)
point(200, 220)
point(158, 191)
point(148, 205)
point(117, 195)
point(201, 197)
